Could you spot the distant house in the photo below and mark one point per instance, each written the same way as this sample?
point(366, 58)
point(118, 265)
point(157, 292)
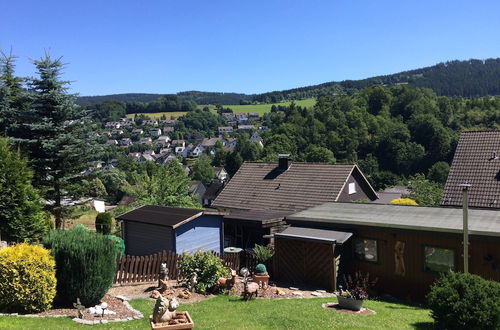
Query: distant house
point(138, 131)
point(476, 162)
point(152, 229)
point(165, 158)
point(197, 188)
point(253, 115)
point(225, 129)
point(117, 132)
point(196, 151)
point(220, 173)
point(112, 142)
point(168, 122)
point(241, 117)
point(126, 142)
point(277, 189)
point(168, 129)
point(212, 191)
point(178, 143)
point(134, 156)
point(150, 122)
point(245, 127)
point(230, 142)
point(155, 132)
point(146, 140)
point(93, 135)
point(389, 194)
point(147, 157)
point(113, 124)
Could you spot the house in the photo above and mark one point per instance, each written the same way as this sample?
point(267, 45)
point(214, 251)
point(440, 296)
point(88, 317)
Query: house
point(150, 122)
point(212, 191)
point(155, 132)
point(151, 229)
point(93, 135)
point(476, 162)
point(147, 157)
point(253, 115)
point(165, 158)
point(220, 173)
point(168, 122)
point(241, 117)
point(224, 129)
point(112, 142)
point(197, 188)
point(405, 247)
point(196, 151)
point(113, 124)
point(138, 131)
point(126, 142)
point(168, 129)
point(230, 142)
point(245, 127)
point(278, 189)
point(117, 132)
point(178, 143)
point(134, 156)
point(146, 140)
point(389, 194)
point(255, 138)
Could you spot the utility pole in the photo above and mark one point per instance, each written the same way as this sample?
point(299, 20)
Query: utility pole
point(465, 188)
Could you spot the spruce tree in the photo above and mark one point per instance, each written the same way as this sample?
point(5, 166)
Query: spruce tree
point(21, 208)
point(56, 144)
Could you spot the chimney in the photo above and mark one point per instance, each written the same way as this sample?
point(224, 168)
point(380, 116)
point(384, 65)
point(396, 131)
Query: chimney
point(283, 162)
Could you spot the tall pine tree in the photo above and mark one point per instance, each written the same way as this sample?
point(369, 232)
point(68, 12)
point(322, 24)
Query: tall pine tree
point(56, 128)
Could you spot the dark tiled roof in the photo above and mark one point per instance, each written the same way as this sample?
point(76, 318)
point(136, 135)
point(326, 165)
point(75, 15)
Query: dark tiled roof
point(161, 215)
point(264, 216)
point(213, 189)
point(474, 164)
point(263, 186)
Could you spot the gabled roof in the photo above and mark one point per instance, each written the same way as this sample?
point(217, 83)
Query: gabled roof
point(475, 163)
point(213, 190)
point(302, 185)
point(161, 215)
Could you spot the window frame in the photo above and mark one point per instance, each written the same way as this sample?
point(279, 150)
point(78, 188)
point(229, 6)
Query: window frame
point(455, 258)
point(377, 262)
point(349, 188)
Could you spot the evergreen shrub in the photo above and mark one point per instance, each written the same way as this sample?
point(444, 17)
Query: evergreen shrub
point(27, 279)
point(85, 263)
point(103, 223)
point(207, 267)
point(465, 301)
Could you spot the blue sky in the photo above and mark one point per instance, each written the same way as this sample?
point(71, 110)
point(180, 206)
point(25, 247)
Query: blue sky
point(164, 46)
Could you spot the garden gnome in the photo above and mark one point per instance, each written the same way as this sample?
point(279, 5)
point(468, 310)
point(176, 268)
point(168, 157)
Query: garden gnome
point(163, 276)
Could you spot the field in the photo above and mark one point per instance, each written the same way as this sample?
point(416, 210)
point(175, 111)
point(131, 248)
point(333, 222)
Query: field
point(260, 108)
point(229, 312)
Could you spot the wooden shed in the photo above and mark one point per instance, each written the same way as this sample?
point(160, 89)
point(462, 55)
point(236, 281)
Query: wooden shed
point(151, 229)
point(305, 256)
point(407, 247)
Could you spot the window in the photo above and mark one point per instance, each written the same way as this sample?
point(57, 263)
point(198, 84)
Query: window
point(438, 259)
point(352, 188)
point(366, 250)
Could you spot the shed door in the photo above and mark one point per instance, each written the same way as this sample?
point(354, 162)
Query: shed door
point(305, 263)
point(143, 239)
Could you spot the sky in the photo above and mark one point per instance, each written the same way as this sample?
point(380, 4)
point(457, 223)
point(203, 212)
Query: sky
point(165, 46)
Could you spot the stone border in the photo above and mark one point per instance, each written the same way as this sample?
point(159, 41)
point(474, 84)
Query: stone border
point(88, 322)
point(130, 318)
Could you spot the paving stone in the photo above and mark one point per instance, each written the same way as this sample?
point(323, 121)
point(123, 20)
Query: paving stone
point(297, 293)
point(321, 291)
point(317, 294)
point(293, 288)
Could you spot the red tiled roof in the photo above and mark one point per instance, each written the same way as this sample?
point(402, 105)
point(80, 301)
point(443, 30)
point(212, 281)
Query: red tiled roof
point(474, 163)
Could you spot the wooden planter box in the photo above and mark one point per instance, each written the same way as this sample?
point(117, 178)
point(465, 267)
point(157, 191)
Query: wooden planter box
point(349, 303)
point(261, 279)
point(160, 326)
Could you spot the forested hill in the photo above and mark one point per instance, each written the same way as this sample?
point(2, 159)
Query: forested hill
point(472, 78)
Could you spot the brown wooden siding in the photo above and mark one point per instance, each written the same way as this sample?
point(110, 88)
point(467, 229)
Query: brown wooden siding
point(300, 263)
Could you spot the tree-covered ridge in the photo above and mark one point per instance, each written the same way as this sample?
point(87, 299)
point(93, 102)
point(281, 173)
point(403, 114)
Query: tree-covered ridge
point(392, 132)
point(472, 78)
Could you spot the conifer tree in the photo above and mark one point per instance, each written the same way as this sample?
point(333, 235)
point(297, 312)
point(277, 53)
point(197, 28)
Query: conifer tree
point(21, 215)
point(56, 136)
point(12, 98)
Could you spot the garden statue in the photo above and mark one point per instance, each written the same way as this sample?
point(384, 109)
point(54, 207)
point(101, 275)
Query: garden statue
point(399, 250)
point(163, 274)
point(165, 309)
point(249, 288)
point(193, 281)
point(227, 283)
point(78, 305)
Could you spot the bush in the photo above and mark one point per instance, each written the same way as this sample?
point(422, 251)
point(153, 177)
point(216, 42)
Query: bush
point(465, 301)
point(263, 253)
point(207, 267)
point(103, 223)
point(403, 201)
point(85, 263)
point(27, 279)
point(119, 244)
point(358, 285)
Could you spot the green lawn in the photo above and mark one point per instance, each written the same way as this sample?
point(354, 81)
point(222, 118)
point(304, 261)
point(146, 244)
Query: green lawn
point(263, 108)
point(157, 115)
point(225, 312)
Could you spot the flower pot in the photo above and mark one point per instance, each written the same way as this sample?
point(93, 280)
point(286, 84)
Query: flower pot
point(261, 279)
point(349, 303)
point(166, 326)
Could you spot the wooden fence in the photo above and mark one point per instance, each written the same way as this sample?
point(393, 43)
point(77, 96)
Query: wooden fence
point(141, 269)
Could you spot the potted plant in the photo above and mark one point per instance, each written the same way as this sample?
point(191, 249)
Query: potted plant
point(263, 253)
point(260, 275)
point(357, 291)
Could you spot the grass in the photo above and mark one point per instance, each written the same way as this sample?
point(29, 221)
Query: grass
point(260, 108)
point(223, 312)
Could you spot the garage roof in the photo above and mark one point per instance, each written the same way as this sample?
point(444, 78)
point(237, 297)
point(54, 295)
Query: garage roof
point(319, 235)
point(161, 215)
point(439, 219)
